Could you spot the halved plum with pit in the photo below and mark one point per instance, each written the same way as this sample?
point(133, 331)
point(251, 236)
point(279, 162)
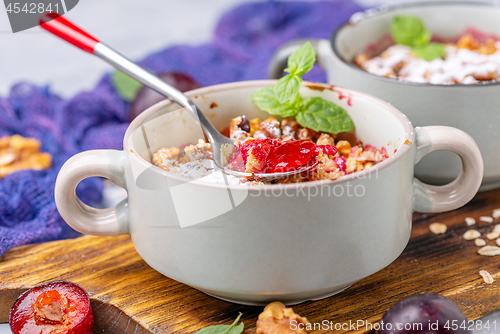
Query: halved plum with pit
point(57, 308)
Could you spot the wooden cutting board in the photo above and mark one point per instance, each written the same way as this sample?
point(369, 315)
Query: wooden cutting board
point(130, 297)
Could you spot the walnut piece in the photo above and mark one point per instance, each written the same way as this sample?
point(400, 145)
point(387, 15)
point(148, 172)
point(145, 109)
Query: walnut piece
point(19, 153)
point(467, 42)
point(354, 165)
point(485, 76)
point(271, 126)
point(200, 151)
point(360, 59)
point(306, 133)
point(487, 48)
point(277, 319)
point(325, 139)
point(344, 148)
point(259, 134)
point(375, 156)
point(235, 132)
point(165, 153)
point(254, 125)
point(254, 165)
point(290, 127)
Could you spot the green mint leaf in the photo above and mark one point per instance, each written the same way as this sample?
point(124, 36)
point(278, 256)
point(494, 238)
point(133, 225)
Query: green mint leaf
point(238, 329)
point(287, 87)
point(125, 85)
point(265, 99)
point(409, 30)
point(423, 39)
point(430, 51)
point(324, 116)
point(224, 329)
point(302, 60)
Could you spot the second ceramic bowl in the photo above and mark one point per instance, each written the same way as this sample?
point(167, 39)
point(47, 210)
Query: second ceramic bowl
point(471, 108)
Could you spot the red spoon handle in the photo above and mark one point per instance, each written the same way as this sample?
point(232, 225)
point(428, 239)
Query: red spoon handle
point(66, 30)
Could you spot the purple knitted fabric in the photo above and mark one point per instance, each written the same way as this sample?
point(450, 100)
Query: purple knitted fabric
point(244, 42)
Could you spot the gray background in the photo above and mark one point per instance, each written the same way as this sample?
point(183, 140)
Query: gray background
point(134, 27)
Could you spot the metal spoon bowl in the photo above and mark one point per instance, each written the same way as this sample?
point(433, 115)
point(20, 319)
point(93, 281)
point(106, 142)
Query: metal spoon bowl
point(269, 176)
point(64, 29)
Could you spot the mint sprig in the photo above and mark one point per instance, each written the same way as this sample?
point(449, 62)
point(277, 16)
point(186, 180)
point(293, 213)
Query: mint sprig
point(284, 100)
point(224, 329)
point(324, 116)
point(287, 87)
point(266, 100)
point(409, 30)
point(299, 63)
point(302, 60)
point(430, 51)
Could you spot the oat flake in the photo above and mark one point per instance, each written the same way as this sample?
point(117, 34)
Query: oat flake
point(470, 221)
point(471, 235)
point(486, 277)
point(480, 242)
point(438, 228)
point(486, 219)
point(489, 251)
point(493, 235)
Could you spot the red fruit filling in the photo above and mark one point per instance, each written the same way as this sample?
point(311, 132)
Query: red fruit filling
point(277, 156)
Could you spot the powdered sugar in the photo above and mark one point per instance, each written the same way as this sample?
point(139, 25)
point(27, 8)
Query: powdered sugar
point(204, 170)
point(461, 66)
point(193, 169)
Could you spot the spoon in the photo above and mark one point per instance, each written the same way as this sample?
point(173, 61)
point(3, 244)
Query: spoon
point(67, 31)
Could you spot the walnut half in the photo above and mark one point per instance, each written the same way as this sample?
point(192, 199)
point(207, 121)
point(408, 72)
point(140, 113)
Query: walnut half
point(277, 319)
point(19, 153)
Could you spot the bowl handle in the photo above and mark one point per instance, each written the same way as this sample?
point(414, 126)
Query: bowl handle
point(280, 58)
point(81, 217)
point(427, 198)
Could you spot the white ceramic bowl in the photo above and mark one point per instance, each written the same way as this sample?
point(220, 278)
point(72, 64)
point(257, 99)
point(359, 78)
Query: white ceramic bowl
point(258, 244)
point(474, 109)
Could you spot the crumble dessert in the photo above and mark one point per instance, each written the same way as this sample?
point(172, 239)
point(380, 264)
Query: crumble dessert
point(272, 146)
point(467, 61)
